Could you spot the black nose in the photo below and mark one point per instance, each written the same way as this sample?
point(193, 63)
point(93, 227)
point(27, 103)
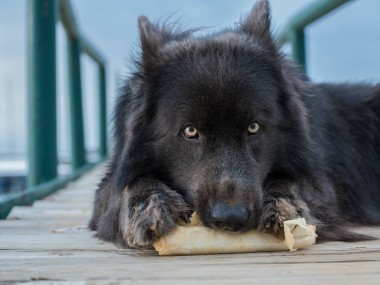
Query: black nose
point(229, 218)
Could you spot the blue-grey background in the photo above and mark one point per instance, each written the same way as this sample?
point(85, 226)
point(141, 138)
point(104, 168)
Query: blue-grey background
point(342, 46)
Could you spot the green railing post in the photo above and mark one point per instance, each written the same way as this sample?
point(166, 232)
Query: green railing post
point(76, 110)
point(297, 39)
point(42, 109)
point(96, 56)
point(102, 112)
point(42, 115)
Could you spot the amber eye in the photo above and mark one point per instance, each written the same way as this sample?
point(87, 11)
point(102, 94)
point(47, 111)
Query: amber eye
point(254, 128)
point(191, 132)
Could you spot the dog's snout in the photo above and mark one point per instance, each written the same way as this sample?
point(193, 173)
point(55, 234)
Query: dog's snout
point(229, 218)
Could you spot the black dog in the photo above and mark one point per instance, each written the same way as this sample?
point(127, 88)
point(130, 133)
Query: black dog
point(226, 126)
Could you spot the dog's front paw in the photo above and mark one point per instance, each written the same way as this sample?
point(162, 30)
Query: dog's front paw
point(155, 217)
point(275, 212)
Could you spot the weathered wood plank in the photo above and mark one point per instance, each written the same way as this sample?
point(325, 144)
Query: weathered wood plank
point(336, 280)
point(10, 227)
point(124, 256)
point(26, 212)
point(60, 269)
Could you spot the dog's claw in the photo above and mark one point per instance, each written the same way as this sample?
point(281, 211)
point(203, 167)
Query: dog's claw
point(185, 218)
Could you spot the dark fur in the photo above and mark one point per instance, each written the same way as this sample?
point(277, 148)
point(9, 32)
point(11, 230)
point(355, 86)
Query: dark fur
point(317, 155)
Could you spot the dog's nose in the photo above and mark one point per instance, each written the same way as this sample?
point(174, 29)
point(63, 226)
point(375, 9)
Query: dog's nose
point(229, 218)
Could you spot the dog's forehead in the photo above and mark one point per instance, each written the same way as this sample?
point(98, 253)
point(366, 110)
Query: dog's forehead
point(220, 80)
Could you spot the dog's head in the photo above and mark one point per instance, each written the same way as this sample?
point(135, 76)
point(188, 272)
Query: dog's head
point(216, 117)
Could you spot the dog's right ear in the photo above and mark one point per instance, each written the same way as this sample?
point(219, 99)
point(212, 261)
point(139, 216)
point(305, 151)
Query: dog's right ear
point(151, 38)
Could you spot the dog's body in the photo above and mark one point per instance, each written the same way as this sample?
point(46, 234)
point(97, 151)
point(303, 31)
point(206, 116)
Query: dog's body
point(226, 126)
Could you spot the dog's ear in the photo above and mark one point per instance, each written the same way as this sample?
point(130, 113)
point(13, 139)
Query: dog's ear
point(257, 24)
point(151, 37)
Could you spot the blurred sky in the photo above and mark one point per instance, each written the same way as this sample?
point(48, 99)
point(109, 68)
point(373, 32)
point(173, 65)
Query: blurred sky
point(342, 46)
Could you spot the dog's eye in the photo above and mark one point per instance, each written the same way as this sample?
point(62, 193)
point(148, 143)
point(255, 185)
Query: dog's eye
point(191, 132)
point(254, 128)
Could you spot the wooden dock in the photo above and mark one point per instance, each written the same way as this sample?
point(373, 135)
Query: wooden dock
point(48, 243)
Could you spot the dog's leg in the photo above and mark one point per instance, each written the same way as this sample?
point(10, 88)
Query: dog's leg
point(150, 209)
point(282, 203)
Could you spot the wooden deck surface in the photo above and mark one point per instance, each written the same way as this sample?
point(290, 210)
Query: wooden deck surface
point(48, 243)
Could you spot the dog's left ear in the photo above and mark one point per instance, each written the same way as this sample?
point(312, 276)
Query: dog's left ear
point(257, 24)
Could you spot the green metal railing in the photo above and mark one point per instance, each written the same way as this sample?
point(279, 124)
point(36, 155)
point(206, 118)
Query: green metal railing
point(42, 17)
point(42, 111)
point(294, 32)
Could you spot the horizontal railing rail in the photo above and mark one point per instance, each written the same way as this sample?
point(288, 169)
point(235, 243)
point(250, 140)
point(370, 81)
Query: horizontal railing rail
point(42, 111)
